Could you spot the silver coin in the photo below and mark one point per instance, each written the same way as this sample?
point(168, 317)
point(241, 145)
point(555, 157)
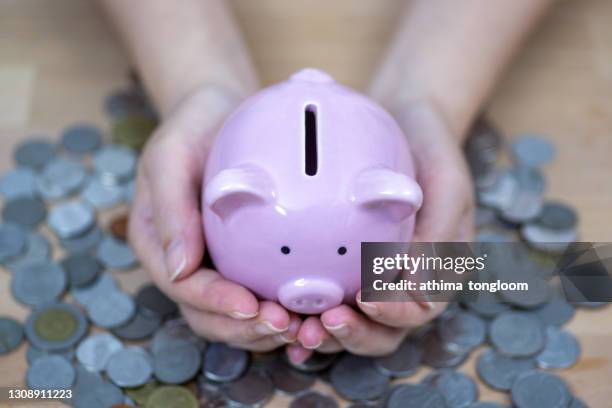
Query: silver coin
point(24, 211)
point(78, 323)
point(51, 373)
point(538, 294)
point(12, 242)
point(577, 403)
point(82, 269)
point(115, 254)
point(115, 164)
point(81, 138)
point(34, 153)
point(177, 363)
point(525, 206)
point(253, 389)
point(499, 371)
point(462, 332)
point(356, 378)
point(488, 405)
point(416, 396)
point(501, 194)
point(11, 334)
point(111, 310)
point(71, 219)
point(92, 391)
point(151, 298)
point(555, 312)
point(95, 351)
point(503, 334)
point(101, 196)
point(288, 380)
point(561, 351)
point(487, 305)
point(532, 150)
point(458, 389)
point(175, 331)
point(100, 287)
point(530, 179)
point(437, 355)
point(555, 242)
point(17, 183)
point(141, 326)
point(403, 362)
point(316, 362)
point(129, 367)
point(60, 178)
point(224, 363)
point(314, 399)
point(37, 249)
point(537, 390)
point(557, 216)
point(34, 353)
point(38, 283)
point(124, 102)
point(85, 241)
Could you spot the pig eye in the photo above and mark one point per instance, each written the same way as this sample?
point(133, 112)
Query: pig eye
point(342, 250)
point(285, 250)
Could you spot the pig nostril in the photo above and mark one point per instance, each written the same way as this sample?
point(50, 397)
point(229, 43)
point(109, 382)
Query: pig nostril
point(298, 302)
point(319, 302)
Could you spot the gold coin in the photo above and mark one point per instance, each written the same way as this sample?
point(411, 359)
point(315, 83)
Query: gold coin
point(141, 394)
point(133, 130)
point(55, 325)
point(172, 396)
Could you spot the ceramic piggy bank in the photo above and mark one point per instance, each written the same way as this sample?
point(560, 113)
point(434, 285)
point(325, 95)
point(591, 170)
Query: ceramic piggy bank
point(299, 175)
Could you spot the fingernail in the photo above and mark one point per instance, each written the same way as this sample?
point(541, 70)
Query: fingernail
point(341, 330)
point(236, 314)
point(428, 305)
point(284, 338)
point(266, 328)
point(176, 258)
point(369, 308)
point(313, 347)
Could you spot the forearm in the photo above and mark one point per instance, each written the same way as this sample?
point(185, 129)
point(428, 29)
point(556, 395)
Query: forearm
point(450, 53)
point(181, 46)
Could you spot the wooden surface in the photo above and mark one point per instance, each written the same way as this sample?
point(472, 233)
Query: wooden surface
point(58, 60)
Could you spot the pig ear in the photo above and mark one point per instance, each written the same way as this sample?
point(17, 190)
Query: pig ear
point(238, 187)
point(393, 194)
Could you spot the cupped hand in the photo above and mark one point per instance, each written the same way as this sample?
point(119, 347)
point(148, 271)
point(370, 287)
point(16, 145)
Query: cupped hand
point(377, 328)
point(166, 231)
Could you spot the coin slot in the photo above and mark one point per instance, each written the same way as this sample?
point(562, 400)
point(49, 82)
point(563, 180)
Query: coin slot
point(310, 131)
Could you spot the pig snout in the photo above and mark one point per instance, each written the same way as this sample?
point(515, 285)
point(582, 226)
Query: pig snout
point(310, 295)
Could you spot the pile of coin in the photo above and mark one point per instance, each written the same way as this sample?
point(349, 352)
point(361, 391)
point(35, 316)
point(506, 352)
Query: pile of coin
point(116, 349)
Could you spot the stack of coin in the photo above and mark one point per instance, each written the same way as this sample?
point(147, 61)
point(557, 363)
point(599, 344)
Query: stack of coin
point(142, 353)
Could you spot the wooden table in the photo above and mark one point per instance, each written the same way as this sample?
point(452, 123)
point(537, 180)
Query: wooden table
point(59, 60)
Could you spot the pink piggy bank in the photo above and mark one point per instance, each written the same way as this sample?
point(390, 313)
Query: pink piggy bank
point(299, 175)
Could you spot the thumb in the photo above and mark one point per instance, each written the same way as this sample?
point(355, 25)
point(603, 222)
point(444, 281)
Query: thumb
point(175, 186)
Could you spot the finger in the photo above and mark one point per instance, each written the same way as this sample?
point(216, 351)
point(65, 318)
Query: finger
point(298, 354)
point(205, 290)
point(268, 343)
point(218, 327)
point(360, 335)
point(441, 213)
point(406, 314)
point(175, 187)
point(312, 334)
